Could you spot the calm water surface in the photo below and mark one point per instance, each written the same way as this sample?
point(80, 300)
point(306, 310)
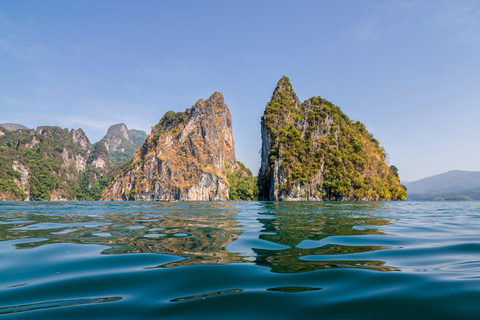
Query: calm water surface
point(192, 260)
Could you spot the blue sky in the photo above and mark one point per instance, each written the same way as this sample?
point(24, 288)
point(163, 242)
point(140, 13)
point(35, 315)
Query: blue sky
point(409, 70)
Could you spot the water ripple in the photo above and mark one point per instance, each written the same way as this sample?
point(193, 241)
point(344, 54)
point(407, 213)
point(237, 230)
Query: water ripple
point(240, 260)
point(55, 304)
point(206, 295)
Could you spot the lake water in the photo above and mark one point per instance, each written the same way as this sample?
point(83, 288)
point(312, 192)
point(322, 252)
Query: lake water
point(237, 260)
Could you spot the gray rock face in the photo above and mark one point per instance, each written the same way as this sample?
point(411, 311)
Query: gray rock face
point(99, 163)
point(119, 138)
point(186, 157)
point(296, 191)
point(115, 135)
point(80, 139)
point(23, 181)
point(209, 188)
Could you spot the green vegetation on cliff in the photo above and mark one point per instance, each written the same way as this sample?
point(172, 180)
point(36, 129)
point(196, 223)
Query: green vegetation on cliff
point(242, 184)
point(171, 122)
point(89, 191)
point(40, 155)
point(316, 144)
point(52, 163)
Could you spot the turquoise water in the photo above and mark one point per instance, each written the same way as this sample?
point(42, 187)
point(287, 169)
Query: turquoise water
point(116, 260)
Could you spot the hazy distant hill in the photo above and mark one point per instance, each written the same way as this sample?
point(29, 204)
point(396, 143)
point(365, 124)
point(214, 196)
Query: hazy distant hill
point(12, 126)
point(121, 143)
point(452, 185)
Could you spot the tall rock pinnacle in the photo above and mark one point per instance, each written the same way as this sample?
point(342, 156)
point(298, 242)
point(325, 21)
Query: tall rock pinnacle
point(186, 157)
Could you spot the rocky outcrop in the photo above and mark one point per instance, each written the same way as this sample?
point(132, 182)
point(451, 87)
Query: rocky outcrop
point(115, 135)
point(80, 139)
point(121, 143)
point(186, 157)
point(22, 181)
point(312, 151)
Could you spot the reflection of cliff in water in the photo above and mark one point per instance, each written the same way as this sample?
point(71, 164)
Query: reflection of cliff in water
point(291, 224)
point(197, 236)
point(198, 232)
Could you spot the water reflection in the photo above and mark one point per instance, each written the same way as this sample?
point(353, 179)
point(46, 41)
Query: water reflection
point(291, 224)
point(199, 233)
point(268, 234)
point(55, 304)
point(206, 295)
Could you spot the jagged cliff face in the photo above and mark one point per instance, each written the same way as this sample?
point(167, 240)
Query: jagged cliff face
point(186, 157)
point(312, 151)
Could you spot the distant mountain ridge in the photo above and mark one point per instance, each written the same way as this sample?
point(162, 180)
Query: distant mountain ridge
point(455, 185)
point(13, 126)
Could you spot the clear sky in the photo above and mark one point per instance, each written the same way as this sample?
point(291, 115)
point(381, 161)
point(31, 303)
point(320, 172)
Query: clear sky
point(409, 70)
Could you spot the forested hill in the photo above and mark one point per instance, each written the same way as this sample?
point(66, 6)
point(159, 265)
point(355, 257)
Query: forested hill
point(51, 163)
